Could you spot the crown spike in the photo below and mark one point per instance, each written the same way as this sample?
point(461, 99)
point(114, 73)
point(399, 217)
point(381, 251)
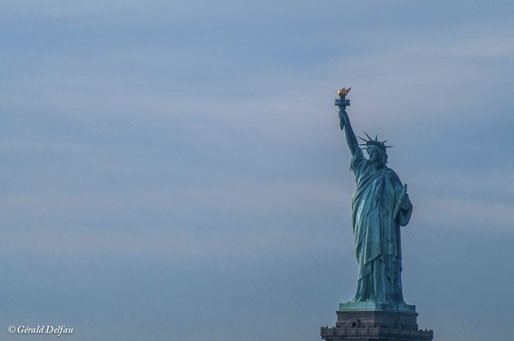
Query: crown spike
point(376, 137)
point(362, 139)
point(369, 138)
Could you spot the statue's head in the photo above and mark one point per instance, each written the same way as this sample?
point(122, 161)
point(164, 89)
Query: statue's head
point(377, 150)
point(377, 155)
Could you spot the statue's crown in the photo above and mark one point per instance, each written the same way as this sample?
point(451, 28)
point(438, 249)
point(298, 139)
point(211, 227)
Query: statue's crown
point(374, 142)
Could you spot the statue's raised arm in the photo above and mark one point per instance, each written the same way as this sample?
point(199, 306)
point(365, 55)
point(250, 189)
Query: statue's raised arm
point(342, 103)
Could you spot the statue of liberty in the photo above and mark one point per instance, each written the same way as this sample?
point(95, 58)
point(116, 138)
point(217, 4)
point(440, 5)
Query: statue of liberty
point(380, 205)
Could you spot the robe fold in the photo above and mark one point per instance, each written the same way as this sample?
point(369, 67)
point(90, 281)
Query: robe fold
point(377, 232)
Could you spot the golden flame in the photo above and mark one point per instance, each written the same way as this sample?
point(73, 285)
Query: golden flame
point(344, 92)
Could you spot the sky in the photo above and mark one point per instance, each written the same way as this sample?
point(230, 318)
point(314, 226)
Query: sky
point(174, 170)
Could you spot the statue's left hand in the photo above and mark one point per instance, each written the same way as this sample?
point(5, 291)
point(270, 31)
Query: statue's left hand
point(405, 202)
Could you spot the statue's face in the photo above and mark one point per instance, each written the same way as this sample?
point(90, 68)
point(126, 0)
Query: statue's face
point(376, 155)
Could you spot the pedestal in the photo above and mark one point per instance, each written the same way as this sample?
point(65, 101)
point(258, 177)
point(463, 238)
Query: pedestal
point(376, 321)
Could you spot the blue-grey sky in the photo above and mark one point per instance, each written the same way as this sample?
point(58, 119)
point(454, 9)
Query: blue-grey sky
point(174, 170)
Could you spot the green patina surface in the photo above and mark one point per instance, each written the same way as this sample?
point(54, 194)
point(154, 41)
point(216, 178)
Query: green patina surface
point(380, 206)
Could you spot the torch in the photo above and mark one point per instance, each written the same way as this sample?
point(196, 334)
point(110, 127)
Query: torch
point(342, 103)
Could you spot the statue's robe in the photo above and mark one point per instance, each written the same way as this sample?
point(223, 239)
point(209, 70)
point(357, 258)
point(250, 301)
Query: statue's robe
point(377, 232)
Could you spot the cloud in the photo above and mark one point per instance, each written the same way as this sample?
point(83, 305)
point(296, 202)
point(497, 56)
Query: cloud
point(479, 201)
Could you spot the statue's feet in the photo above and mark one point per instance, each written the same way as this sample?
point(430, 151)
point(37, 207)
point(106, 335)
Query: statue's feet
point(357, 300)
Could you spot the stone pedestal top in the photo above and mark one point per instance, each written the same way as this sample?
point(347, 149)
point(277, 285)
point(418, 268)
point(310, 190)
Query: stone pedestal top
point(368, 321)
point(372, 306)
